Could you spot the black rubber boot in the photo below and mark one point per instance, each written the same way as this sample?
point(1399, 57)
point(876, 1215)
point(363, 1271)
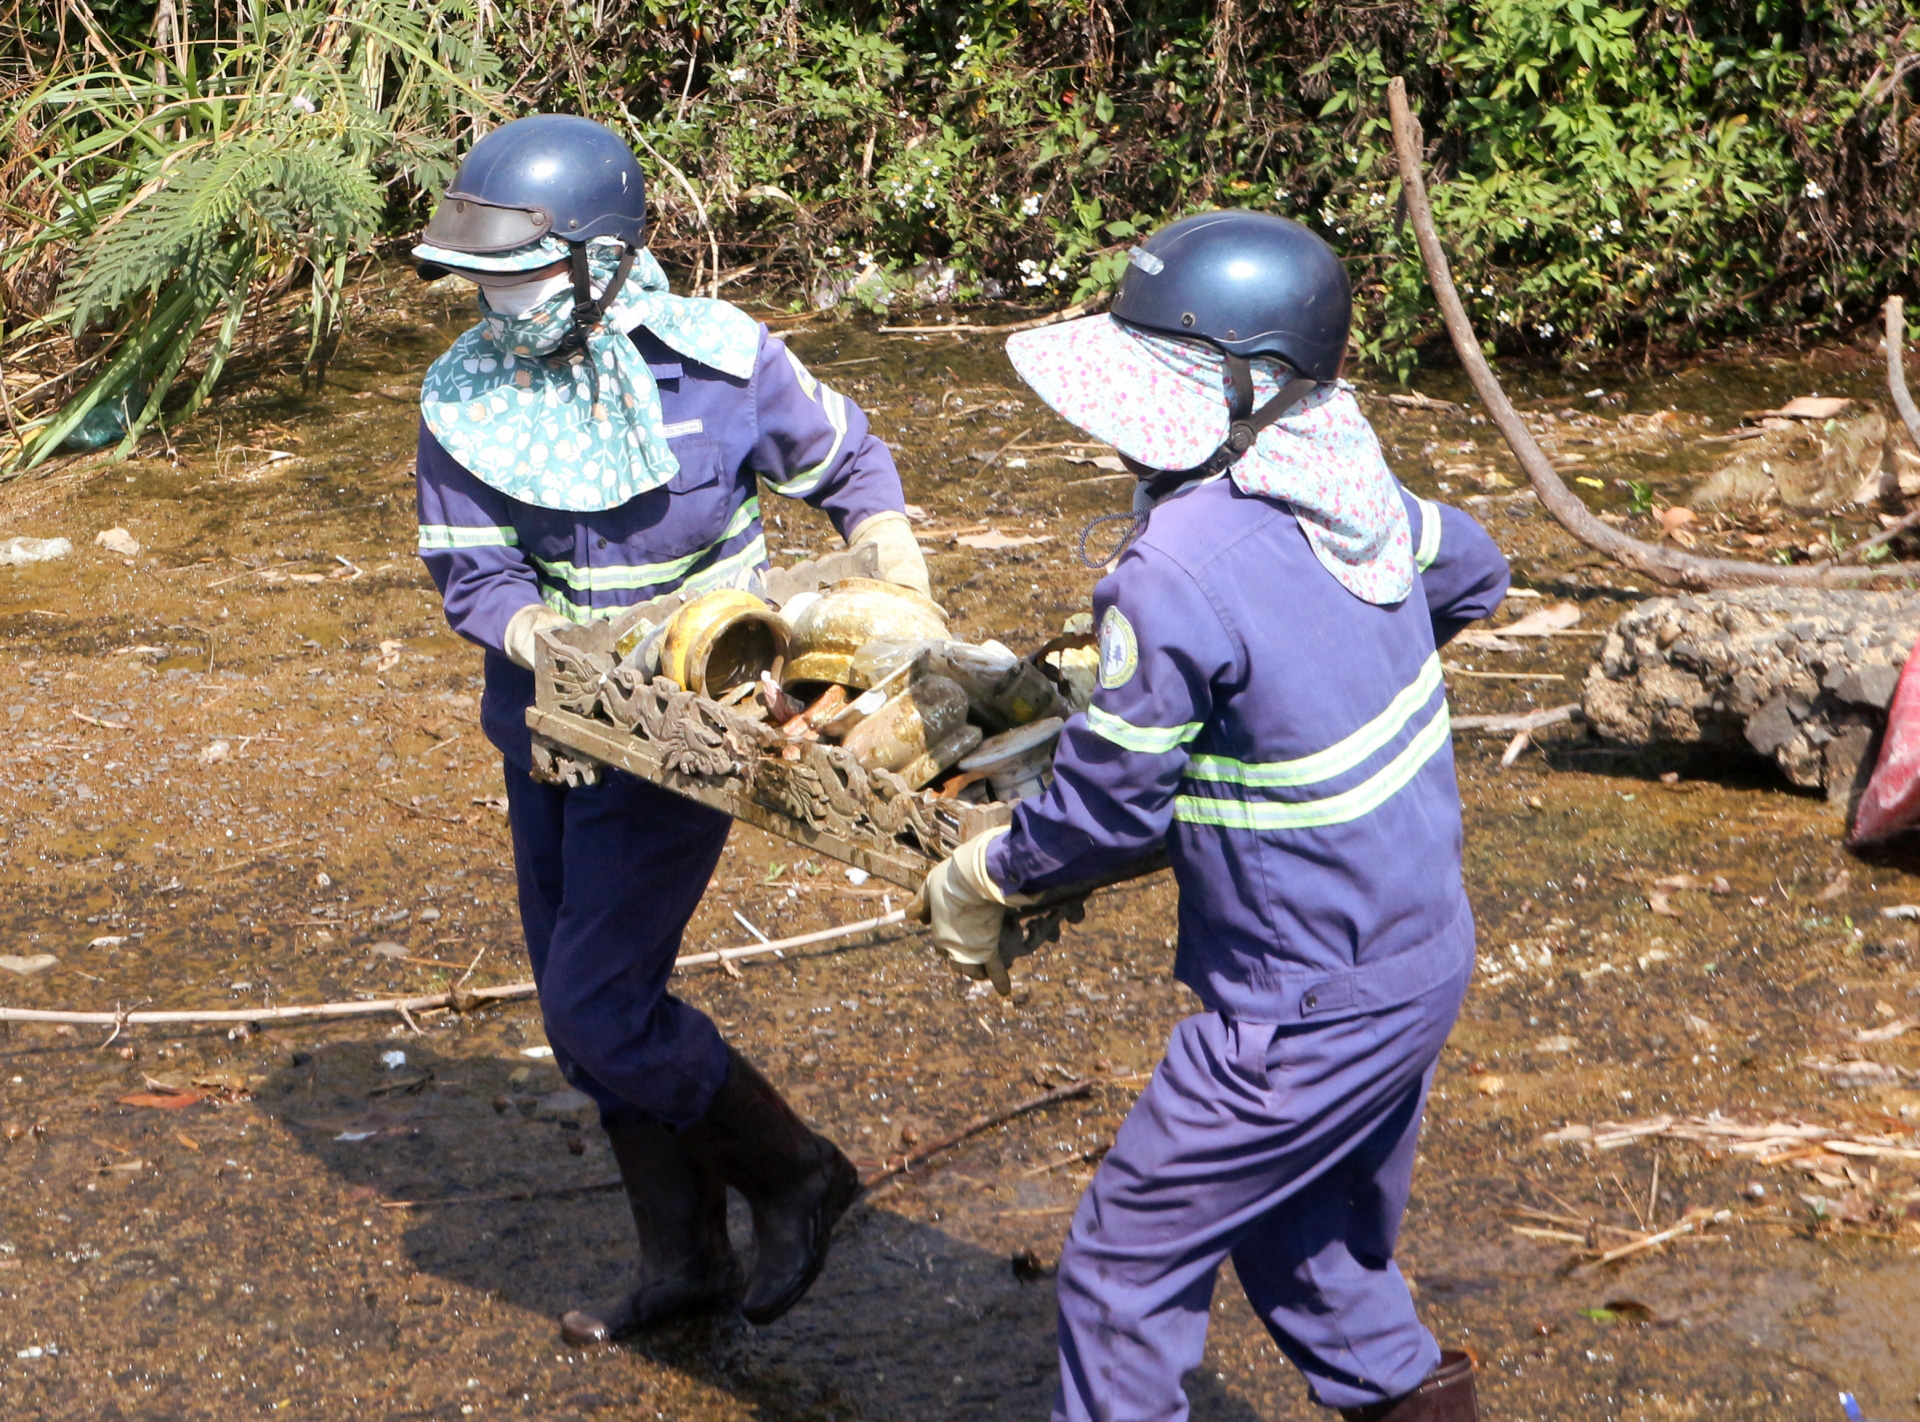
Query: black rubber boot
point(687, 1265)
point(1445, 1396)
point(797, 1182)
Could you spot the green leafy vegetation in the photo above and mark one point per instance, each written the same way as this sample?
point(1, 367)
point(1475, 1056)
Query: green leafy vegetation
point(1607, 176)
point(169, 184)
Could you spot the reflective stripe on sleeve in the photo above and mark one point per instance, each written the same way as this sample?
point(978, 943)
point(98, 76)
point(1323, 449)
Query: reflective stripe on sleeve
point(440, 537)
point(1149, 740)
point(1429, 548)
point(808, 384)
point(1336, 759)
point(834, 406)
point(1363, 799)
point(612, 577)
point(730, 571)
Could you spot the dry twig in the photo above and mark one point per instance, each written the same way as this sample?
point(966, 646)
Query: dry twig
point(459, 998)
point(1072, 1091)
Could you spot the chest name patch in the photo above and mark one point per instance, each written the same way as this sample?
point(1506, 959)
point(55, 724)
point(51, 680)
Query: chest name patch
point(1119, 650)
point(682, 427)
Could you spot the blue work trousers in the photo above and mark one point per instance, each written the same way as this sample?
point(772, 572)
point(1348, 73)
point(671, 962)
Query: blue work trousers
point(1290, 1149)
point(609, 875)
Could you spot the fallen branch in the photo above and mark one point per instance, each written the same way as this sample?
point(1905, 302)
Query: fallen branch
point(1694, 1219)
point(1073, 1091)
point(562, 1192)
point(1516, 722)
point(1896, 376)
point(1670, 566)
point(461, 998)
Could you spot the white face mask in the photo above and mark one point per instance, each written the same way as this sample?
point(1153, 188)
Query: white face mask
point(517, 298)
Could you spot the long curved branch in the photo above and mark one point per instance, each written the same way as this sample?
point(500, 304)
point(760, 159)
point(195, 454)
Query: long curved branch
point(1896, 376)
point(1670, 566)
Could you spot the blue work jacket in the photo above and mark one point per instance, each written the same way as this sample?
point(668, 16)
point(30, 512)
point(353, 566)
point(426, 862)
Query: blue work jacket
point(492, 555)
point(1288, 742)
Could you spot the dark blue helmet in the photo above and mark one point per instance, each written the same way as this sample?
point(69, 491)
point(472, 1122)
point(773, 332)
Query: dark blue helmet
point(546, 174)
point(1249, 283)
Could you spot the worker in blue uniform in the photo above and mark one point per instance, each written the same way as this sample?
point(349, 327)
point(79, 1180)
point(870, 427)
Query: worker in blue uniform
point(1270, 707)
point(592, 442)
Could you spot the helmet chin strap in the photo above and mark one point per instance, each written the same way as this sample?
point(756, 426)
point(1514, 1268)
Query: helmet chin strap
point(588, 310)
point(1245, 422)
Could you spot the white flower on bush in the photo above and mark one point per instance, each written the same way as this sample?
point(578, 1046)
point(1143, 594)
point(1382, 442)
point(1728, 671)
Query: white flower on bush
point(1030, 204)
point(1377, 200)
point(1030, 273)
point(736, 75)
point(1486, 291)
point(993, 199)
point(303, 105)
point(833, 251)
point(1594, 233)
point(1814, 190)
point(1545, 328)
point(1615, 227)
point(965, 41)
point(1057, 272)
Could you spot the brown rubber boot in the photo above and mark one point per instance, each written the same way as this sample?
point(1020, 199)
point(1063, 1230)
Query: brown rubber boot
point(1446, 1396)
point(687, 1264)
point(797, 1182)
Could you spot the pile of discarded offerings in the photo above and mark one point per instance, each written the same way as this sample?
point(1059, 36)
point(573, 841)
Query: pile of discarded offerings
point(822, 705)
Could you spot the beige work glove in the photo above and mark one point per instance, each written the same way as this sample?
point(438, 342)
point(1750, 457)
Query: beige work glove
point(518, 642)
point(901, 562)
point(966, 909)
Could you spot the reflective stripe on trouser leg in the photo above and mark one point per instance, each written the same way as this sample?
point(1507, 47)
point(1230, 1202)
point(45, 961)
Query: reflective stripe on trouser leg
point(1239, 1123)
point(609, 874)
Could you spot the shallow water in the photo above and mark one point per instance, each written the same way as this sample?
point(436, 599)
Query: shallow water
point(249, 1256)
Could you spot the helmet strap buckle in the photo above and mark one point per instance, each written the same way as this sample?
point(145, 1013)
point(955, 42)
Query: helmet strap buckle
point(1247, 423)
point(589, 311)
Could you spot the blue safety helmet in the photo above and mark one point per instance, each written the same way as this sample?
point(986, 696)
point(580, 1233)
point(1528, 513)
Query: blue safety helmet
point(1251, 285)
point(545, 175)
point(1248, 283)
point(535, 191)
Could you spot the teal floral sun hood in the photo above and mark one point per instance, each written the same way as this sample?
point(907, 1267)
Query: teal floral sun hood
point(525, 421)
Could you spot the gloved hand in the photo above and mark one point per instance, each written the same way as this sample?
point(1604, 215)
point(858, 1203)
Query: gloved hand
point(966, 909)
point(901, 562)
point(518, 642)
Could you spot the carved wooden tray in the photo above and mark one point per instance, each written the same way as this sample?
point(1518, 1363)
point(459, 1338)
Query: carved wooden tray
point(590, 713)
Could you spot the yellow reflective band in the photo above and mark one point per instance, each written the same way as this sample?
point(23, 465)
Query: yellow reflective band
point(1149, 740)
point(1336, 759)
point(729, 571)
point(439, 537)
point(1429, 548)
point(613, 577)
point(834, 407)
point(1363, 799)
point(800, 373)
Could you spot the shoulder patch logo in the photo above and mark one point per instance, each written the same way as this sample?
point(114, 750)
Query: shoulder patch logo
point(1119, 650)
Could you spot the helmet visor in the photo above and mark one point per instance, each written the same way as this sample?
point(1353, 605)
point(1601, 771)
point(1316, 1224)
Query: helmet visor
point(462, 225)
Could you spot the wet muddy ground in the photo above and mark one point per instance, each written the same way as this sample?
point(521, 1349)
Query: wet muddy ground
point(242, 767)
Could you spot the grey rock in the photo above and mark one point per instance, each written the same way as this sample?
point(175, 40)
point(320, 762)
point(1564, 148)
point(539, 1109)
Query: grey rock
point(1869, 684)
point(1800, 675)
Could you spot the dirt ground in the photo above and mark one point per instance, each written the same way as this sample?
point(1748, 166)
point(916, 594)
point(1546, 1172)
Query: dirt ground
point(243, 768)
